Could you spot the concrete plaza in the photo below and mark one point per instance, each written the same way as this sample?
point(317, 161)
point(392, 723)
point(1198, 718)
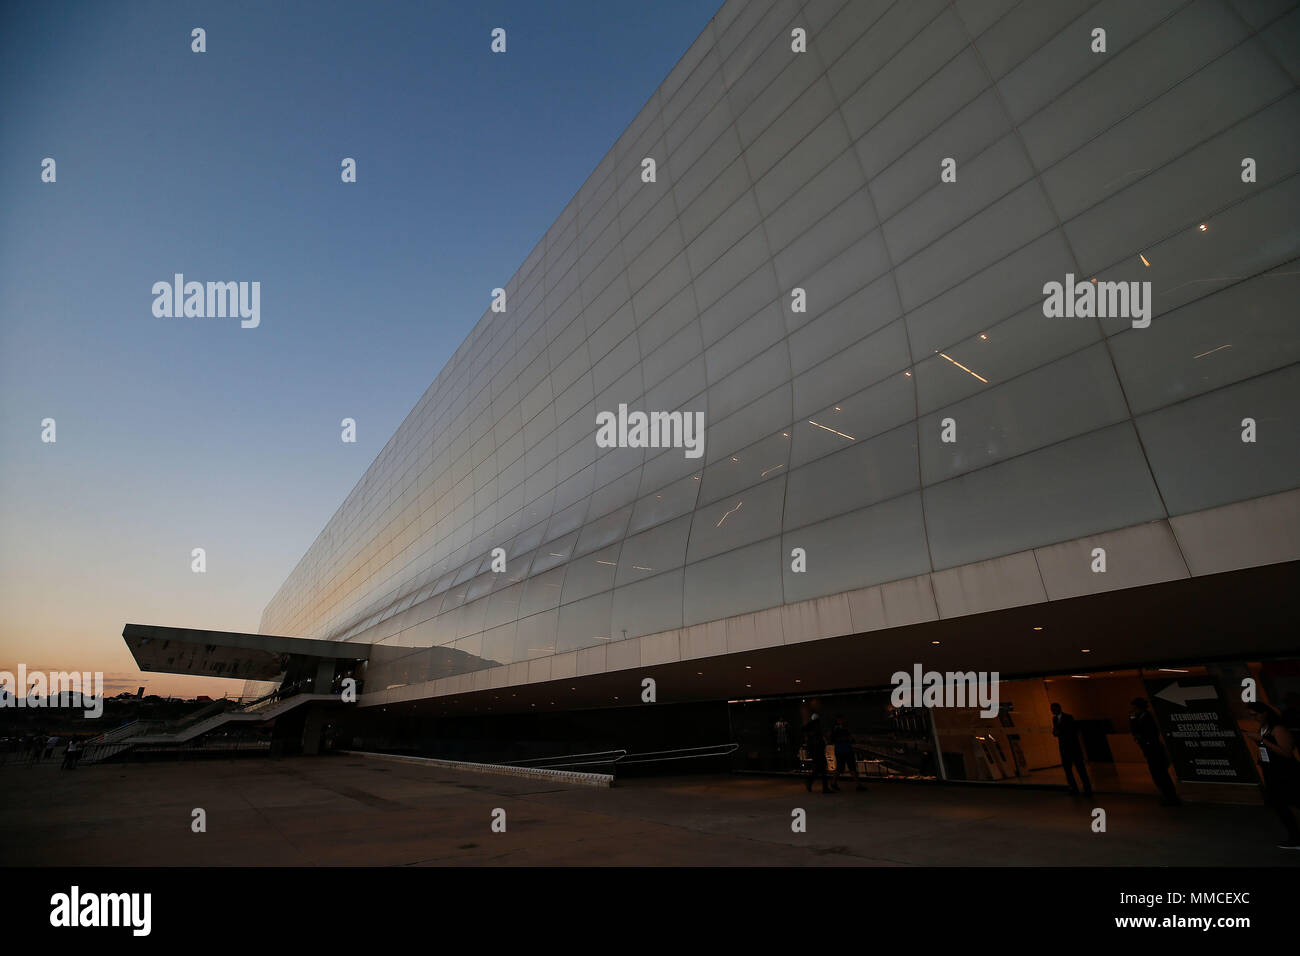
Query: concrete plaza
point(349, 810)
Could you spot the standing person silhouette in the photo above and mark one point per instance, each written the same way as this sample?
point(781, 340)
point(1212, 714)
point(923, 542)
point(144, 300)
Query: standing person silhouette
point(842, 738)
point(1067, 743)
point(1280, 768)
point(815, 743)
point(1143, 726)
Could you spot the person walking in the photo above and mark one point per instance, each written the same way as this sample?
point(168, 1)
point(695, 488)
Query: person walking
point(815, 743)
point(1143, 727)
point(1280, 768)
point(842, 739)
point(1071, 751)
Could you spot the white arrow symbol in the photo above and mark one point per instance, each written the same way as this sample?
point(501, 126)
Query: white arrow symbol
point(1176, 693)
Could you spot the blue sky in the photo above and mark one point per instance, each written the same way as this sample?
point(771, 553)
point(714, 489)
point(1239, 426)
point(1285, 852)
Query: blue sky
point(182, 433)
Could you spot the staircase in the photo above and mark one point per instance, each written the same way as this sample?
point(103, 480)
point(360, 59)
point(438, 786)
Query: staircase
point(257, 711)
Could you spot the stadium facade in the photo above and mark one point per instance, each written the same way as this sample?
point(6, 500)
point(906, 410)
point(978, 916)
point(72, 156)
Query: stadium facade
point(841, 261)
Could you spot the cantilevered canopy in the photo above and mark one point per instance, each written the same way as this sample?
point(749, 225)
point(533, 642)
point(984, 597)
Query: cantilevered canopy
point(183, 650)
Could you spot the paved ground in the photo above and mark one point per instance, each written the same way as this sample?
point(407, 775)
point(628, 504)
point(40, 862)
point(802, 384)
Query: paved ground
point(344, 810)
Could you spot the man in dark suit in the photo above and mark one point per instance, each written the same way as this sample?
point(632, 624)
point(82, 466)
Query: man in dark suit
point(1067, 742)
point(1142, 724)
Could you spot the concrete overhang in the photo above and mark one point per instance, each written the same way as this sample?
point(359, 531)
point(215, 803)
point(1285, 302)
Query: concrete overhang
point(228, 654)
point(1251, 614)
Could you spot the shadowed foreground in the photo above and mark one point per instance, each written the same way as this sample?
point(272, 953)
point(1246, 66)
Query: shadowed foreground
point(346, 810)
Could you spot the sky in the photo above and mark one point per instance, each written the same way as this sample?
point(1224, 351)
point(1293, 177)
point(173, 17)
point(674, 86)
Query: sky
point(177, 433)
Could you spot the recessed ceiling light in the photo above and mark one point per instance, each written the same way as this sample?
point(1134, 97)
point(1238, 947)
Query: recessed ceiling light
point(1087, 650)
point(1038, 627)
point(1204, 227)
point(934, 642)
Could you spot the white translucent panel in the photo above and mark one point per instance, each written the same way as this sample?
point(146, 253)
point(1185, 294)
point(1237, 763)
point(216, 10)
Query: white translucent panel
point(517, 569)
point(877, 356)
point(566, 521)
point(584, 623)
point(1238, 83)
point(503, 606)
point(984, 178)
point(747, 579)
point(1182, 193)
point(757, 377)
point(1062, 61)
point(619, 493)
point(976, 125)
point(1009, 224)
point(798, 262)
point(885, 542)
point(1130, 77)
point(648, 607)
point(613, 464)
point(671, 500)
point(888, 33)
point(654, 551)
point(1001, 290)
point(657, 328)
point(722, 232)
point(746, 426)
point(499, 644)
point(1233, 335)
point(995, 355)
point(603, 531)
point(959, 81)
point(732, 267)
point(858, 417)
point(711, 150)
point(765, 459)
point(828, 327)
point(1250, 237)
point(541, 591)
point(470, 617)
point(673, 354)
point(1197, 452)
point(1096, 482)
point(807, 207)
point(480, 586)
point(918, 58)
point(535, 636)
point(1068, 397)
point(737, 520)
point(806, 158)
point(1024, 29)
point(862, 473)
point(554, 552)
point(590, 574)
point(670, 465)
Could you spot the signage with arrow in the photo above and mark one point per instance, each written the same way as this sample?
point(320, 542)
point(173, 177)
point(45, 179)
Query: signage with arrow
point(1200, 732)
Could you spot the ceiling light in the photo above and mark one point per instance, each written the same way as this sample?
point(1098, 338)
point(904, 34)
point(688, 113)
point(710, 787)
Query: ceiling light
point(1204, 227)
point(1038, 627)
point(1144, 260)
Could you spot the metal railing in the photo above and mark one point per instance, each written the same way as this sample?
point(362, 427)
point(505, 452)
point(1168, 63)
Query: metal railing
point(684, 753)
